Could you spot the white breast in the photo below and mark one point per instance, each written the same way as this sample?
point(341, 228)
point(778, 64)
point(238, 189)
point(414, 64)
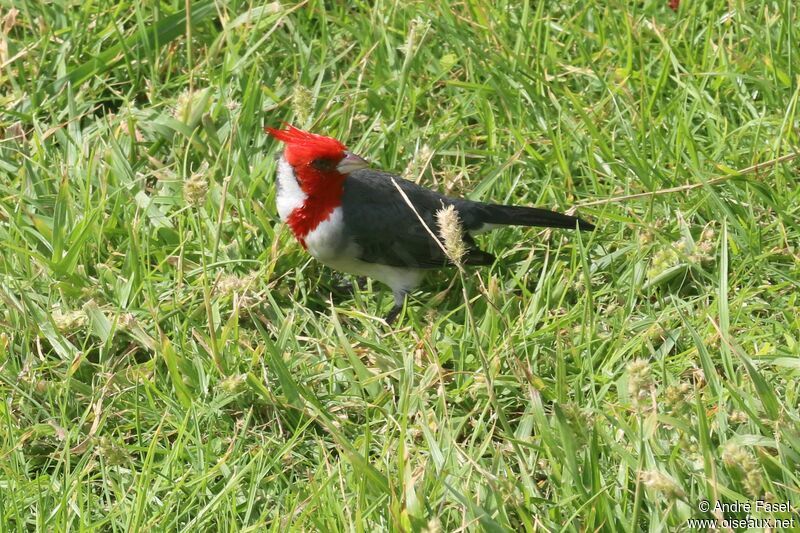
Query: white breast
point(289, 196)
point(329, 244)
point(327, 240)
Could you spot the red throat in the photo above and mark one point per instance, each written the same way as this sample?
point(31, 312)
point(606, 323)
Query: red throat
point(324, 195)
point(322, 185)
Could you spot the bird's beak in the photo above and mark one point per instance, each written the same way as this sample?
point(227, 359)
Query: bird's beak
point(350, 163)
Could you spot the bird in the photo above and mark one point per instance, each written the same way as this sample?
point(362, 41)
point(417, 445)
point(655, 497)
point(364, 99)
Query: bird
point(360, 221)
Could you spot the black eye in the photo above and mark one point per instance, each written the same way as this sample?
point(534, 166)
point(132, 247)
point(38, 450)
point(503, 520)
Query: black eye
point(323, 164)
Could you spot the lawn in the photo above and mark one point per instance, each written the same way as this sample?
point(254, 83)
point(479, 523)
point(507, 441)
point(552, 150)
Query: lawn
point(171, 359)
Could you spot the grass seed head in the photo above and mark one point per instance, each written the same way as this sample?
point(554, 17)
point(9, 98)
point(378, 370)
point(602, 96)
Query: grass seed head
point(196, 187)
point(640, 380)
point(737, 457)
point(302, 103)
point(452, 234)
point(661, 483)
point(70, 321)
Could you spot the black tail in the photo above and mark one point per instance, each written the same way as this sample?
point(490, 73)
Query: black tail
point(514, 215)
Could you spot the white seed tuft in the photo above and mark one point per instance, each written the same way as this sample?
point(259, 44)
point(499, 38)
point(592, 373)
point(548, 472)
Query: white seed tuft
point(452, 234)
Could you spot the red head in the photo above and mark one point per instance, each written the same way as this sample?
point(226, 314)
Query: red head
point(320, 166)
point(315, 157)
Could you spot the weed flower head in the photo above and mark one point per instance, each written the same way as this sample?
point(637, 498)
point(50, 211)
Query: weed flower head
point(196, 187)
point(451, 233)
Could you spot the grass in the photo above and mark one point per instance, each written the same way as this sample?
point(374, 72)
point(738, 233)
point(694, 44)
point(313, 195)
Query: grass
point(171, 359)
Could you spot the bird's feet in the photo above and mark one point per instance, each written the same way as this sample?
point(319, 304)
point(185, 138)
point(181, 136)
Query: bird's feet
point(399, 300)
point(343, 285)
point(393, 314)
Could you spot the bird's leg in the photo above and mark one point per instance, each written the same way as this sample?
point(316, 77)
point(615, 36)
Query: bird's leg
point(393, 314)
point(344, 286)
point(399, 300)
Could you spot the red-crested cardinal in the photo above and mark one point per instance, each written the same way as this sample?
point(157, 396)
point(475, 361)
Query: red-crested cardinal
point(355, 220)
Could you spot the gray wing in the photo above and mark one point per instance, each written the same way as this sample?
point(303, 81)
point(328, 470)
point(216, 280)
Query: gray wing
point(389, 233)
